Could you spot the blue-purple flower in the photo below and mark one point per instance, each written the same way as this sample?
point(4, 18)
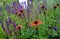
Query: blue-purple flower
point(55, 28)
point(19, 6)
point(3, 26)
point(14, 4)
point(7, 25)
point(7, 7)
point(9, 19)
point(13, 11)
point(31, 0)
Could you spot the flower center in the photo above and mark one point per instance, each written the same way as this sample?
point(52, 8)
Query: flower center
point(36, 22)
point(43, 7)
point(19, 27)
point(21, 11)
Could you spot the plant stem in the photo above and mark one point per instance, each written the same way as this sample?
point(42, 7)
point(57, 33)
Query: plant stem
point(37, 33)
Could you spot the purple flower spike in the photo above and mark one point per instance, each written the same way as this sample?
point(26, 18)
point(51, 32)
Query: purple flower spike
point(13, 11)
point(7, 25)
point(14, 4)
point(3, 26)
point(7, 7)
point(7, 28)
point(9, 20)
point(19, 6)
point(31, 0)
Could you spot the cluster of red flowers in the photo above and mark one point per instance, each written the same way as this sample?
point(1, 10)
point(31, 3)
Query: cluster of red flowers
point(34, 23)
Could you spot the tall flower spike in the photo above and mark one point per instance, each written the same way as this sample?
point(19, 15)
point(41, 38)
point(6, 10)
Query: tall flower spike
point(20, 6)
point(13, 11)
point(3, 26)
point(9, 19)
point(7, 7)
point(14, 4)
point(7, 25)
point(5, 29)
point(31, 0)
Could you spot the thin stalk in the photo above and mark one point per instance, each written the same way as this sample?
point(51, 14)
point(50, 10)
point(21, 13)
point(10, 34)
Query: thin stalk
point(19, 36)
point(15, 35)
point(28, 17)
point(37, 33)
point(54, 17)
point(45, 18)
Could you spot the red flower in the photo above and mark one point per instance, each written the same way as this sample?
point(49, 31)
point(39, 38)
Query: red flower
point(19, 27)
point(36, 23)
